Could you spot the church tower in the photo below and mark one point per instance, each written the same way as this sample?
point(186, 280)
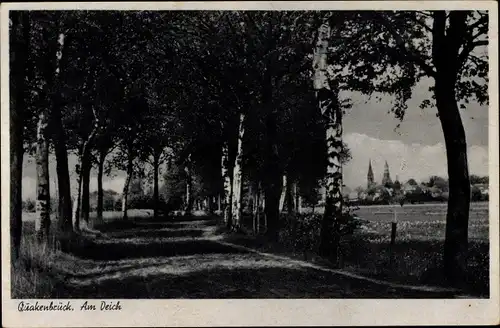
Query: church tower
point(397, 184)
point(387, 176)
point(370, 181)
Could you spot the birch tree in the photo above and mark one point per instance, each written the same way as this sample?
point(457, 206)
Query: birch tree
point(327, 95)
point(228, 186)
point(59, 136)
point(238, 178)
point(188, 206)
point(42, 223)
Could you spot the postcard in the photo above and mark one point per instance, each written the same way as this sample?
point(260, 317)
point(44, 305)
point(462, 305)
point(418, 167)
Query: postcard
point(250, 163)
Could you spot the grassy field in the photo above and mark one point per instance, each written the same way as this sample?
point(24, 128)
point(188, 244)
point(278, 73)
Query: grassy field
point(421, 222)
point(417, 254)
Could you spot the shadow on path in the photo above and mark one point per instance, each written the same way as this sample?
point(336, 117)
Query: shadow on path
point(242, 283)
point(136, 248)
point(163, 233)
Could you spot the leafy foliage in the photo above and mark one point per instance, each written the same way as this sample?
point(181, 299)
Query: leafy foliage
point(302, 231)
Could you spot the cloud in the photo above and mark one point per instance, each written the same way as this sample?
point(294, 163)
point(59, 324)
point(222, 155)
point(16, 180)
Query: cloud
point(405, 161)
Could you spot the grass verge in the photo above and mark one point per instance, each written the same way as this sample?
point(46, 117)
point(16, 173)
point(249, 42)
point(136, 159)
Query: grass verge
point(415, 258)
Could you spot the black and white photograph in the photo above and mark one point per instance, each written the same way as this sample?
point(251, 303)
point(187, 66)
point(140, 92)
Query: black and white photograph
point(207, 152)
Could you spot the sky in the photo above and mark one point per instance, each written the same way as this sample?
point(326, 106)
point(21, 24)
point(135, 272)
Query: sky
point(415, 150)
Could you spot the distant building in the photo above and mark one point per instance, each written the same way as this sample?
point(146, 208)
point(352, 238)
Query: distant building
point(397, 184)
point(435, 192)
point(483, 187)
point(370, 180)
point(386, 179)
point(353, 195)
point(409, 188)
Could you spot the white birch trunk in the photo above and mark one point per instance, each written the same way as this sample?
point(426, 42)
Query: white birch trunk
point(292, 197)
point(255, 210)
point(76, 203)
point(189, 200)
point(237, 177)
point(126, 187)
point(42, 222)
point(283, 194)
point(261, 209)
point(331, 111)
point(227, 184)
point(298, 200)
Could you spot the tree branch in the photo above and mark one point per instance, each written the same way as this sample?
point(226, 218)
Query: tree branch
point(429, 70)
point(420, 23)
point(438, 29)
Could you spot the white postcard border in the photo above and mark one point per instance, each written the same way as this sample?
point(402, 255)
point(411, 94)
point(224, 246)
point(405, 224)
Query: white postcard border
point(263, 312)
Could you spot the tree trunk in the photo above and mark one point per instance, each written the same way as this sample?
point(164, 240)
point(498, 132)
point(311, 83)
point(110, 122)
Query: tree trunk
point(330, 237)
point(19, 61)
point(86, 167)
point(85, 176)
point(42, 222)
point(227, 185)
point(297, 198)
point(272, 165)
point(457, 217)
point(237, 178)
point(291, 197)
point(42, 225)
point(283, 194)
point(156, 197)
point(63, 180)
point(272, 195)
point(445, 54)
point(210, 205)
point(264, 215)
point(76, 202)
point(189, 183)
point(251, 199)
point(16, 169)
point(100, 191)
point(272, 180)
point(329, 106)
point(130, 167)
point(256, 208)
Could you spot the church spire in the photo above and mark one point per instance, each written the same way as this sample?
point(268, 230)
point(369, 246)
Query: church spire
point(370, 180)
point(387, 176)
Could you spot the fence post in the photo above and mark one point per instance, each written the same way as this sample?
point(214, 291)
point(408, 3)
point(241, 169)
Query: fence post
point(394, 224)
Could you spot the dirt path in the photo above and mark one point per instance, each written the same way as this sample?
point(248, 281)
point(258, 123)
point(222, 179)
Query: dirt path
point(190, 259)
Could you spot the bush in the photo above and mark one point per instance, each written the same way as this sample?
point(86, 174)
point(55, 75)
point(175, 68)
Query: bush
point(302, 232)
